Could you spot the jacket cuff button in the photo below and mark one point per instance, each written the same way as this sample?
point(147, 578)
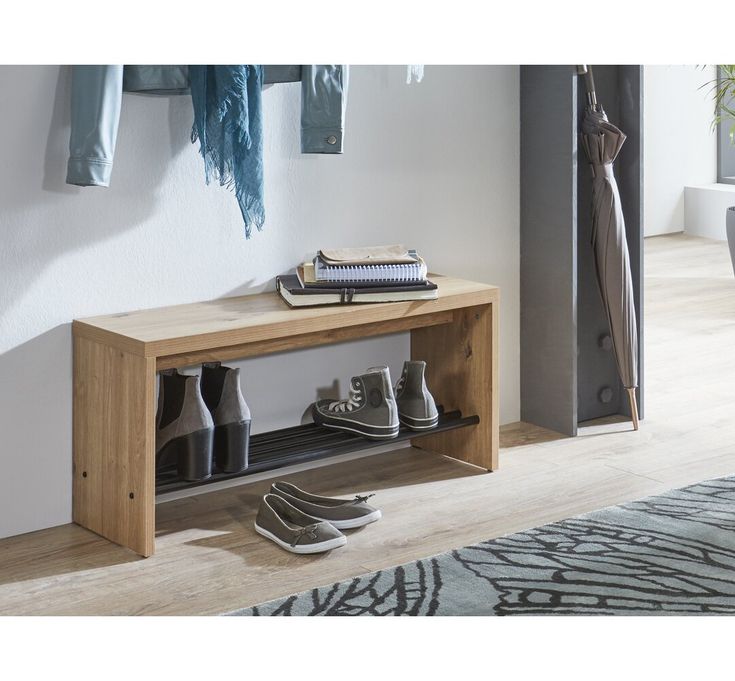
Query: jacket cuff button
point(331, 139)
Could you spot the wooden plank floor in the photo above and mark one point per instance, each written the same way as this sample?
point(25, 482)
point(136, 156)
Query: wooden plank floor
point(209, 559)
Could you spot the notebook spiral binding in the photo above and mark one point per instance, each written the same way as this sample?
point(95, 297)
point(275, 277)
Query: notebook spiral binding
point(406, 272)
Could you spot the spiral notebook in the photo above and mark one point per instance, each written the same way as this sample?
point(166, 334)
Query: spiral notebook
point(405, 272)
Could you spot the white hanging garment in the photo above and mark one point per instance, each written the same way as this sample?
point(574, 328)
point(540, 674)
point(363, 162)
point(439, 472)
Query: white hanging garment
point(414, 72)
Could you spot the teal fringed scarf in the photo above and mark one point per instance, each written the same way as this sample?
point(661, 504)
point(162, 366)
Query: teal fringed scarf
point(228, 122)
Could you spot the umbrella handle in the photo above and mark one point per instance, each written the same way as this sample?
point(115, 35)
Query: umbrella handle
point(586, 71)
point(633, 407)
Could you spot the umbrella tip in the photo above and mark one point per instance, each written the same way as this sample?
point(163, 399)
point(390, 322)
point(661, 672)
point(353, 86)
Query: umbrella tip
point(633, 407)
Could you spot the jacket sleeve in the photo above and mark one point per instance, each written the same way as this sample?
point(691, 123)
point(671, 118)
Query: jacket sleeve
point(323, 104)
point(96, 95)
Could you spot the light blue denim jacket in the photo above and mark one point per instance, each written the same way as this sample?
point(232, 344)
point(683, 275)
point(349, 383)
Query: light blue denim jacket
point(96, 98)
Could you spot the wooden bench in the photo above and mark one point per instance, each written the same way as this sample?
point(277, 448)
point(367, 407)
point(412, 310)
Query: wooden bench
point(116, 358)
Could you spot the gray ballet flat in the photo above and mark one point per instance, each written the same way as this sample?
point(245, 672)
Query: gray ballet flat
point(344, 514)
point(293, 530)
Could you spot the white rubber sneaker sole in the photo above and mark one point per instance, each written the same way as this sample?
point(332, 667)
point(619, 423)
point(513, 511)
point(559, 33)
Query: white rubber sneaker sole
point(369, 435)
point(352, 523)
point(306, 548)
point(419, 424)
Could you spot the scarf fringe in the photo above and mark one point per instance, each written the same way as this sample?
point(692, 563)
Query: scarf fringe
point(230, 134)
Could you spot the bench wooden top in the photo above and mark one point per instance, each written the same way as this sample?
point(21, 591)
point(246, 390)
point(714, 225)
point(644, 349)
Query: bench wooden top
point(225, 322)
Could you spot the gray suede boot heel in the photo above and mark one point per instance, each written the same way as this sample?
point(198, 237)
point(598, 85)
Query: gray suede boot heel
point(231, 416)
point(184, 428)
point(416, 406)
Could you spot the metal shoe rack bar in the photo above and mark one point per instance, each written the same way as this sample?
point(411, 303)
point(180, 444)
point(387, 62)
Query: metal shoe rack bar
point(309, 442)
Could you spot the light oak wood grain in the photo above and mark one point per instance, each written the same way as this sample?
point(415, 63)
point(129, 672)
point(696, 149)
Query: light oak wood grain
point(249, 319)
point(305, 340)
point(114, 485)
point(462, 371)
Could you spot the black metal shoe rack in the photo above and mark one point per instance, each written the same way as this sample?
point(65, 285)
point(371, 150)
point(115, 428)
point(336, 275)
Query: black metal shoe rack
point(309, 442)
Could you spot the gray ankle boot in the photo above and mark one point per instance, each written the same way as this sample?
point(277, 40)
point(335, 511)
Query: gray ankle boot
point(416, 406)
point(231, 416)
point(184, 428)
point(370, 410)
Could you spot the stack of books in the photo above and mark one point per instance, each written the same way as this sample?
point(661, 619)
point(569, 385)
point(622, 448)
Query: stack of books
point(374, 274)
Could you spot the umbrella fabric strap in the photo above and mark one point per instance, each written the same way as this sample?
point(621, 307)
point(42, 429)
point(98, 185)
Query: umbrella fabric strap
point(601, 169)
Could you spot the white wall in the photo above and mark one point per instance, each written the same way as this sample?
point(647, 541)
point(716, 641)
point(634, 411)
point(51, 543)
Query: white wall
point(678, 145)
point(434, 165)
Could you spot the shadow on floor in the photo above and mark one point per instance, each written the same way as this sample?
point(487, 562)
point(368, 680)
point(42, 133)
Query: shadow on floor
point(520, 434)
point(227, 512)
point(230, 513)
point(58, 551)
point(617, 423)
point(227, 515)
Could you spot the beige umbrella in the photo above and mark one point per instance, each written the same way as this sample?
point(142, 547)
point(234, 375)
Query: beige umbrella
point(602, 142)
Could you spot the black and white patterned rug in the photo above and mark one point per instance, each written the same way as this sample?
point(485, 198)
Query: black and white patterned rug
point(668, 554)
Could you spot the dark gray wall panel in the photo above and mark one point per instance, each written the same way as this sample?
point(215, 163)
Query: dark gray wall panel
point(548, 247)
point(564, 369)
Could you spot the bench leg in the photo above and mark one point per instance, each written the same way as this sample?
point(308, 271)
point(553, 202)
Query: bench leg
point(462, 373)
point(114, 449)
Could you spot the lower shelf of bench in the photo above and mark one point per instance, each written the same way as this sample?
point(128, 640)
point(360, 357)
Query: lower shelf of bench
point(299, 444)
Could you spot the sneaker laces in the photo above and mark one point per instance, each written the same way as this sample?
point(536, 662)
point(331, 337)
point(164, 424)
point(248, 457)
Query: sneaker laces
point(309, 529)
point(352, 402)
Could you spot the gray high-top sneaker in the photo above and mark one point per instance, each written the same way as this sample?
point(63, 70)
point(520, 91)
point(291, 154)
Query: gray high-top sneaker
point(184, 427)
point(293, 530)
point(231, 416)
point(370, 410)
point(416, 406)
